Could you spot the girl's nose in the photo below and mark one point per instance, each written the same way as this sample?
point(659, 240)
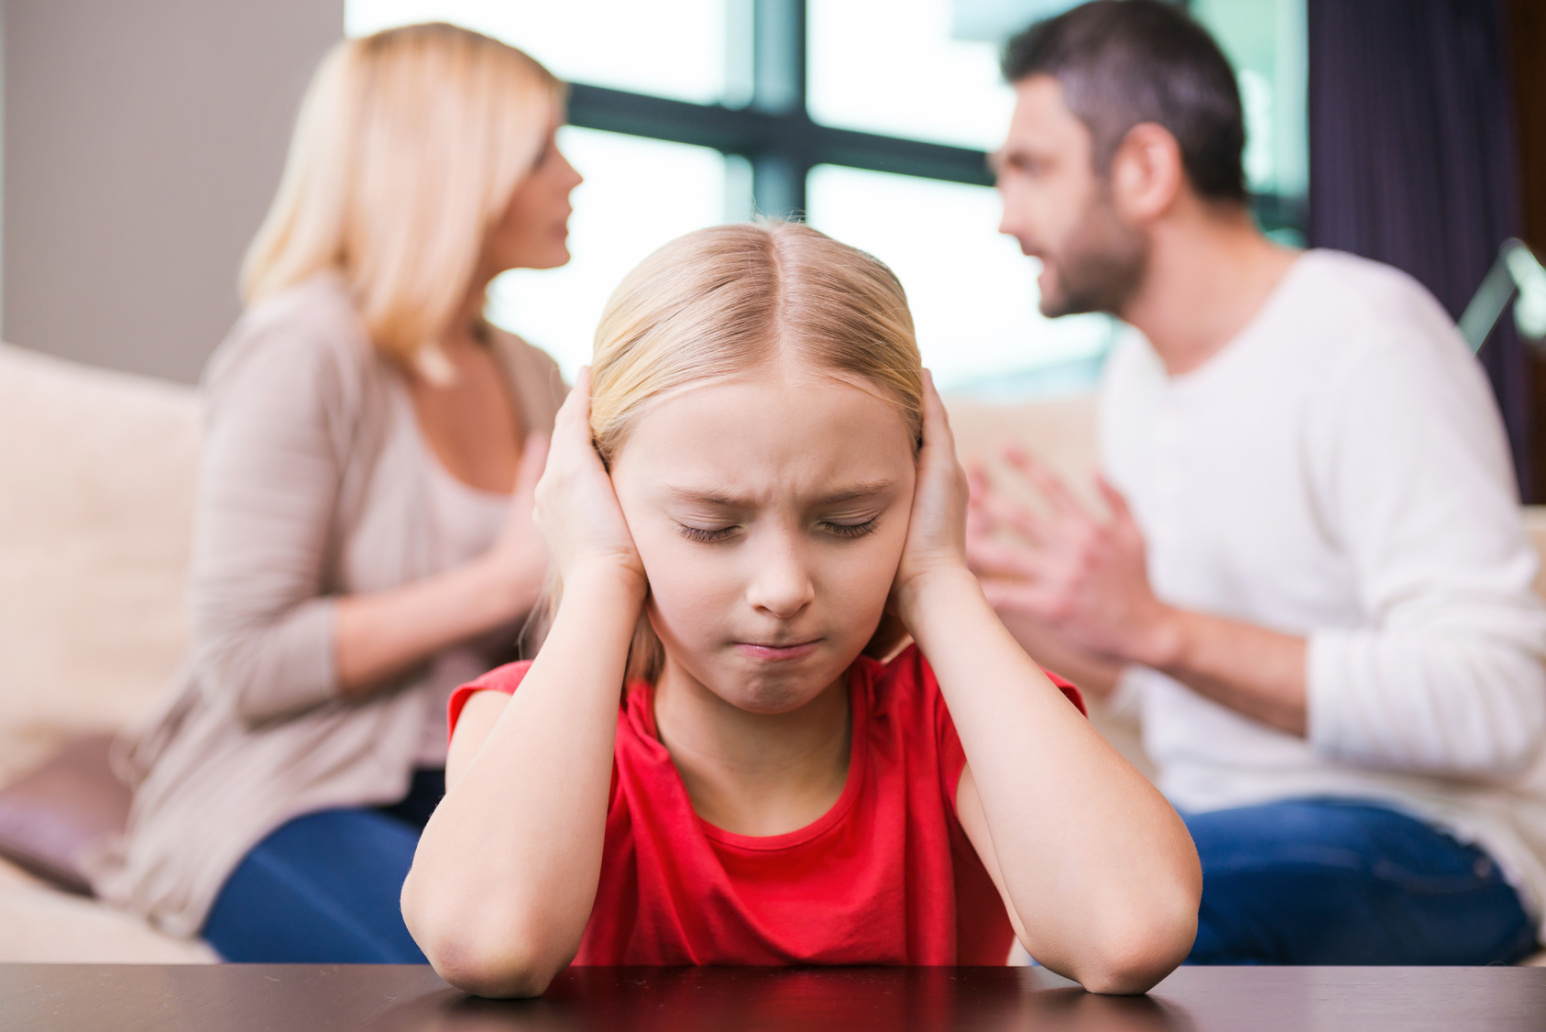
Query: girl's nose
point(780, 585)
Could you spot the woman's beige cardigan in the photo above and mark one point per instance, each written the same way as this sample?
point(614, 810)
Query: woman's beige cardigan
point(311, 487)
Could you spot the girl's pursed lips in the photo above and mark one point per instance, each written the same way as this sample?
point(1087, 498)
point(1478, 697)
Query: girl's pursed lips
point(791, 650)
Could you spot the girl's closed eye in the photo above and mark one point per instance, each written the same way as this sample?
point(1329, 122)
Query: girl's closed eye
point(835, 528)
point(706, 535)
point(850, 530)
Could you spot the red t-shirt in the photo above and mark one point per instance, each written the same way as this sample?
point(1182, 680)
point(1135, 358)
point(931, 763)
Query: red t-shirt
point(887, 876)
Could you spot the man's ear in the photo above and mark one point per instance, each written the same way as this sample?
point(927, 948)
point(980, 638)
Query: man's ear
point(1146, 172)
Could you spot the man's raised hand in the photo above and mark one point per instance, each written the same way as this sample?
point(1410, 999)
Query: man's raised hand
point(1082, 576)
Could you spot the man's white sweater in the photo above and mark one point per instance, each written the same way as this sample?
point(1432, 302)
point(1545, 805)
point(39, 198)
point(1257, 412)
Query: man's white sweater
point(1339, 472)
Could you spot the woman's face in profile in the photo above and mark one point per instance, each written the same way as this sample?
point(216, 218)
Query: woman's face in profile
point(533, 233)
point(770, 511)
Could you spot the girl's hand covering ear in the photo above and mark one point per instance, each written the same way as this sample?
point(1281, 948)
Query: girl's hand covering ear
point(936, 532)
point(576, 508)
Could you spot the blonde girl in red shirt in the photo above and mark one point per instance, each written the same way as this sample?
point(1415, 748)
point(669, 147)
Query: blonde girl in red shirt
point(705, 764)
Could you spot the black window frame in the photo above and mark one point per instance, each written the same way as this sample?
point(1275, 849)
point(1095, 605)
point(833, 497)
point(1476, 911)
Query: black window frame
point(775, 133)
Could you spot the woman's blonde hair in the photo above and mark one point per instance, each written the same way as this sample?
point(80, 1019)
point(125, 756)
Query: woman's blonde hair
point(722, 301)
point(407, 149)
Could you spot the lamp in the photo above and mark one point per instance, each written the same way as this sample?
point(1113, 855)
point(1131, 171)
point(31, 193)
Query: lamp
point(1517, 271)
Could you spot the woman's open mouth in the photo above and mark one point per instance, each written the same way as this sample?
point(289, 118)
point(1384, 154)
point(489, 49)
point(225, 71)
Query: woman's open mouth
point(773, 653)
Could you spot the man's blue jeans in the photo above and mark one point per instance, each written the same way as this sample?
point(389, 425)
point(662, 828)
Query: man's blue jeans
point(323, 888)
point(1326, 881)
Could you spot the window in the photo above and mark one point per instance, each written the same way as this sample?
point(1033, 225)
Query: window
point(897, 67)
point(871, 117)
point(610, 232)
point(1266, 41)
point(668, 48)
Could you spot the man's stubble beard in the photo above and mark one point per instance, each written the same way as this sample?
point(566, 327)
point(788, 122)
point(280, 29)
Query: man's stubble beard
point(1102, 265)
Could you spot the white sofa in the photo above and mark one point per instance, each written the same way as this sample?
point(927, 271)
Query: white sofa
point(97, 472)
point(96, 500)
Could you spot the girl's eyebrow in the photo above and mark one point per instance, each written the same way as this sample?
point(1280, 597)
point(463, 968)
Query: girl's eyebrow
point(855, 492)
point(719, 499)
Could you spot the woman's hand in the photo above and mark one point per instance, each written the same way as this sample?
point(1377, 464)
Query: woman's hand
point(936, 532)
point(378, 636)
point(577, 510)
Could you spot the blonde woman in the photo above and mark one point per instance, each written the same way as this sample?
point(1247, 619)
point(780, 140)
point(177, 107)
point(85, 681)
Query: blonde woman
point(364, 539)
point(712, 760)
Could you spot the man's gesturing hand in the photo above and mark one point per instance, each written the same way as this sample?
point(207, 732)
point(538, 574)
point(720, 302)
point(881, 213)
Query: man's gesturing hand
point(1081, 576)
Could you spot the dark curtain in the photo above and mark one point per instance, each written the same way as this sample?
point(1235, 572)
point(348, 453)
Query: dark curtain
point(1412, 158)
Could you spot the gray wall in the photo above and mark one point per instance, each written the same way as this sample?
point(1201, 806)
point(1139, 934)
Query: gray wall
point(143, 141)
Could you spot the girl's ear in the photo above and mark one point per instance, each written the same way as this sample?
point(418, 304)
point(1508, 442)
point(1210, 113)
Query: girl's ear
point(889, 638)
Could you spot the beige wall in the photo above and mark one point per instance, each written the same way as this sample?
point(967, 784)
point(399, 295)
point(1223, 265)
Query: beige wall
point(143, 140)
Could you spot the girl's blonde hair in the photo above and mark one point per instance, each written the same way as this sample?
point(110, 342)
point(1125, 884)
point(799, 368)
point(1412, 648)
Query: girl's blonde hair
point(722, 301)
point(407, 149)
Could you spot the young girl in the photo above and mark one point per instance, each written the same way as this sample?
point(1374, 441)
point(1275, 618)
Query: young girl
point(754, 474)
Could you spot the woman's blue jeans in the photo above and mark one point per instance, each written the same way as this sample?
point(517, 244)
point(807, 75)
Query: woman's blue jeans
point(323, 888)
point(1326, 881)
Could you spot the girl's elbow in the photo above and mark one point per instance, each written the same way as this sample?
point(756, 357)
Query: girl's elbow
point(488, 962)
point(496, 971)
point(1147, 943)
point(1139, 963)
point(475, 951)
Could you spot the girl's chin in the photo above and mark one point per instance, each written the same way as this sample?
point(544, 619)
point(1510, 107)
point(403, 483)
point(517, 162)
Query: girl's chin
point(774, 703)
point(773, 693)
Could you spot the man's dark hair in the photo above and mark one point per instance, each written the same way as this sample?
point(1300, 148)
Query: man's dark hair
point(1122, 62)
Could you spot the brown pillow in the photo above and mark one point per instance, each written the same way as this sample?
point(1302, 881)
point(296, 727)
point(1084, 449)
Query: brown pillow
point(51, 816)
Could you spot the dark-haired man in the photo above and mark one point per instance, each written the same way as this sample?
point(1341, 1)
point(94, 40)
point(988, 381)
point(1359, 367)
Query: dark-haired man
point(1312, 575)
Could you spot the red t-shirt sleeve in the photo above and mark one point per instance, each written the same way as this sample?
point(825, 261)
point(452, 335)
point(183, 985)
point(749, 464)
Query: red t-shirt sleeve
point(1069, 691)
point(501, 679)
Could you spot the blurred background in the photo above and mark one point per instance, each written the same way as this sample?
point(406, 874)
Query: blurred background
point(143, 142)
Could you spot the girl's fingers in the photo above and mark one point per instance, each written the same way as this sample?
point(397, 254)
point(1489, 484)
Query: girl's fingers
point(576, 408)
point(534, 457)
point(573, 447)
point(936, 420)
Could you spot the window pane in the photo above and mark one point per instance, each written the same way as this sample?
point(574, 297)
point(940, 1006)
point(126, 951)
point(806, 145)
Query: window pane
point(893, 66)
point(972, 293)
point(1266, 42)
point(637, 195)
point(670, 48)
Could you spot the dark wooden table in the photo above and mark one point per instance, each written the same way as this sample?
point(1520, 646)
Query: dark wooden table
point(298, 998)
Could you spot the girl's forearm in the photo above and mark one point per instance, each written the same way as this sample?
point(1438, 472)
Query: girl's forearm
point(378, 635)
point(1096, 864)
point(505, 874)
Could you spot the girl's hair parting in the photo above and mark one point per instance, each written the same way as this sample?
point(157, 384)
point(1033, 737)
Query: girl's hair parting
point(408, 147)
point(721, 301)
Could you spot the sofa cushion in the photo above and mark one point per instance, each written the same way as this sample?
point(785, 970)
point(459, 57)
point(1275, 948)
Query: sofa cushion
point(40, 925)
point(97, 475)
point(51, 817)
